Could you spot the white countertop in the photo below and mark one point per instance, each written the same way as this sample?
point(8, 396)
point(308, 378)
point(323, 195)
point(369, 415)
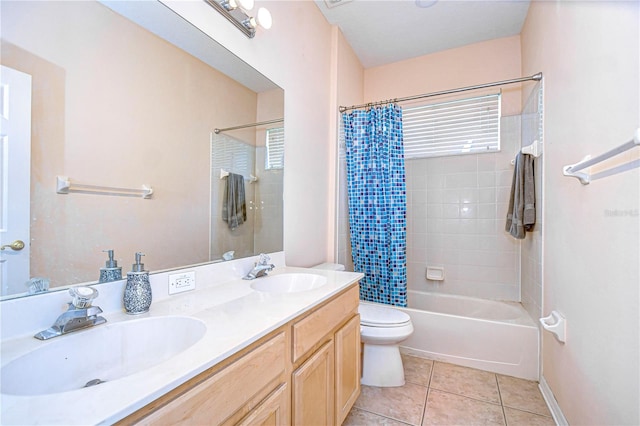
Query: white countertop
point(235, 316)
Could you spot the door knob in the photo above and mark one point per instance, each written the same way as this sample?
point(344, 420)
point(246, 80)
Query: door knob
point(17, 245)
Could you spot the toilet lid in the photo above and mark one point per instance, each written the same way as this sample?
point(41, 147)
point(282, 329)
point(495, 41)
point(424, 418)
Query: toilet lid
point(381, 316)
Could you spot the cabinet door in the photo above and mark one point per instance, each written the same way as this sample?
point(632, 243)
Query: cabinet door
point(217, 398)
point(273, 411)
point(313, 389)
point(347, 342)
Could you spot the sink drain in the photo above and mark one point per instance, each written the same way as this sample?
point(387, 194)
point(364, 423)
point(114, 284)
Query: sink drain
point(93, 382)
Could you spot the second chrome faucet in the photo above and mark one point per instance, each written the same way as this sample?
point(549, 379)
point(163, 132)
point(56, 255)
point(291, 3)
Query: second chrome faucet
point(260, 269)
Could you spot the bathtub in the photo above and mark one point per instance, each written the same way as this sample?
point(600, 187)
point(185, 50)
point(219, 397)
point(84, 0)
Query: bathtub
point(488, 335)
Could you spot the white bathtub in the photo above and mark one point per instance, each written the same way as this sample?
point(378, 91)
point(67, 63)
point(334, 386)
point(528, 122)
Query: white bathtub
point(494, 336)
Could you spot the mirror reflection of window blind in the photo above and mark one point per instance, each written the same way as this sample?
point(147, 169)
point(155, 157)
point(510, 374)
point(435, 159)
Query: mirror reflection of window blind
point(275, 149)
point(231, 154)
point(465, 126)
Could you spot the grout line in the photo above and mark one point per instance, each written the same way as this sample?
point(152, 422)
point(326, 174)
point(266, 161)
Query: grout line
point(469, 397)
point(384, 417)
point(426, 399)
point(504, 414)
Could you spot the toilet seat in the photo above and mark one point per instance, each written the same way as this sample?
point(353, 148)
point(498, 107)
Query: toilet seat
point(379, 316)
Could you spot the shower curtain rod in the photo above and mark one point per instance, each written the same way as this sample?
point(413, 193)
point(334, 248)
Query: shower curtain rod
point(277, 120)
point(536, 77)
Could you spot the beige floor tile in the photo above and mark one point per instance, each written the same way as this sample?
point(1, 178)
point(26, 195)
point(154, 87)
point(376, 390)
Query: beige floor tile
point(405, 403)
point(417, 370)
point(449, 409)
point(522, 395)
point(358, 417)
point(465, 381)
point(523, 418)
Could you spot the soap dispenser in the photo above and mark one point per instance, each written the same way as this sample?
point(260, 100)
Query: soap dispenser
point(137, 292)
point(111, 270)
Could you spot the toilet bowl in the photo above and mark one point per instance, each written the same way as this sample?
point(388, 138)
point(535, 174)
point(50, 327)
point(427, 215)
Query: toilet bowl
point(381, 330)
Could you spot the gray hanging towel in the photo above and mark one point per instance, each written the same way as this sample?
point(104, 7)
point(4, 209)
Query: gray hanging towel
point(234, 207)
point(521, 214)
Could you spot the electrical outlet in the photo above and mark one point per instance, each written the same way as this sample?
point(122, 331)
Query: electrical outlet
point(182, 282)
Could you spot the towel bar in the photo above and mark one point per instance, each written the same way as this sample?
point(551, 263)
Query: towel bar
point(224, 173)
point(535, 149)
point(65, 186)
point(573, 170)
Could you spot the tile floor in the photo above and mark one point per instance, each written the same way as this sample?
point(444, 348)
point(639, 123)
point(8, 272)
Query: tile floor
point(438, 393)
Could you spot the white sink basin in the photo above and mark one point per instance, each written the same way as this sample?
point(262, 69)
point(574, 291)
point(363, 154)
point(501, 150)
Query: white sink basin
point(100, 354)
point(288, 283)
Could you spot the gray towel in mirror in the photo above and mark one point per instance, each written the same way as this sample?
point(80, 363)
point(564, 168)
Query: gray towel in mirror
point(234, 207)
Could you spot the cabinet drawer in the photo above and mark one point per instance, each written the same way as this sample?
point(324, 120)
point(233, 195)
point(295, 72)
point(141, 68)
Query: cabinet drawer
point(311, 329)
point(221, 395)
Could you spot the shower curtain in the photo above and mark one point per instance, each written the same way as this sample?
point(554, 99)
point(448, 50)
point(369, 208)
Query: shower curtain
point(377, 202)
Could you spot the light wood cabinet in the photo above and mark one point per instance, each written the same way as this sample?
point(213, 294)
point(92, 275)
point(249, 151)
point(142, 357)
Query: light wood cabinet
point(228, 393)
point(320, 323)
point(307, 372)
point(327, 383)
point(313, 389)
point(274, 410)
point(347, 367)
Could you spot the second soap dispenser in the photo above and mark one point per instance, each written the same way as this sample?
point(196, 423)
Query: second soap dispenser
point(111, 270)
point(137, 292)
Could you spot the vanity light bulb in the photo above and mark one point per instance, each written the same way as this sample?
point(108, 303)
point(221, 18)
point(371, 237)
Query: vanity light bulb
point(264, 18)
point(245, 4)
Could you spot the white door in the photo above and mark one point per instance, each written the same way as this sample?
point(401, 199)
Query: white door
point(15, 170)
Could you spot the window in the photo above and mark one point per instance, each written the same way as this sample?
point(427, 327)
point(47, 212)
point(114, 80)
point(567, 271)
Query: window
point(275, 149)
point(465, 126)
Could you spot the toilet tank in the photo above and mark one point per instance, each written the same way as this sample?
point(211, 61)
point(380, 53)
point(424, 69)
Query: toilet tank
point(330, 266)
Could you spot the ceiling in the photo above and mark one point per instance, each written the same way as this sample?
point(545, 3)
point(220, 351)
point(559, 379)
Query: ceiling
point(385, 31)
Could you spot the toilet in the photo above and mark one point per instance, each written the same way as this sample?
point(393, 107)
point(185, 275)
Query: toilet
point(381, 330)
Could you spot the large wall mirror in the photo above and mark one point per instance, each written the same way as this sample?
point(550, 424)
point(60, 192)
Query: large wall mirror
point(126, 94)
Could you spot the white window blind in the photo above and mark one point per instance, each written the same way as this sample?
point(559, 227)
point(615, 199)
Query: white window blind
point(465, 126)
point(275, 149)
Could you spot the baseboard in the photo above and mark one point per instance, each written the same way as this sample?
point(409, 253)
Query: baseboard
point(556, 412)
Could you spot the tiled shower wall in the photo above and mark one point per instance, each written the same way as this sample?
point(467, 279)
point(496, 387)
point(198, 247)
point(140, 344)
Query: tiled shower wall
point(456, 212)
point(531, 277)
point(268, 225)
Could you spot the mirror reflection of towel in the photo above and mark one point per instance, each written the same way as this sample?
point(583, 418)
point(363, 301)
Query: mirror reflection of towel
point(234, 207)
point(521, 215)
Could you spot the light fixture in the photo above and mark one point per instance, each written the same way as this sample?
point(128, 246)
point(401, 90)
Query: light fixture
point(237, 12)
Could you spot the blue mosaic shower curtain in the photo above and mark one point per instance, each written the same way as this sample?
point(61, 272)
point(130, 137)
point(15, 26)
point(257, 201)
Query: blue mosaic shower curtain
point(377, 202)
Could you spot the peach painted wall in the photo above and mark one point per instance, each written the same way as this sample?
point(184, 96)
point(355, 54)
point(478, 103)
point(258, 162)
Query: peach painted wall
point(478, 63)
point(350, 91)
point(122, 140)
point(589, 53)
point(296, 54)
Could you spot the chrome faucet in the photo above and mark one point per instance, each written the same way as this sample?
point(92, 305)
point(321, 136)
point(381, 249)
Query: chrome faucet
point(78, 316)
point(260, 269)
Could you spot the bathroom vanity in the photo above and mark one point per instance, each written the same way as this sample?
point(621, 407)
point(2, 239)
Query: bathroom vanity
point(288, 356)
point(305, 372)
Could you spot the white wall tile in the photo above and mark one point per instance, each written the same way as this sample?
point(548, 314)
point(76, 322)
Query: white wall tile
point(466, 200)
